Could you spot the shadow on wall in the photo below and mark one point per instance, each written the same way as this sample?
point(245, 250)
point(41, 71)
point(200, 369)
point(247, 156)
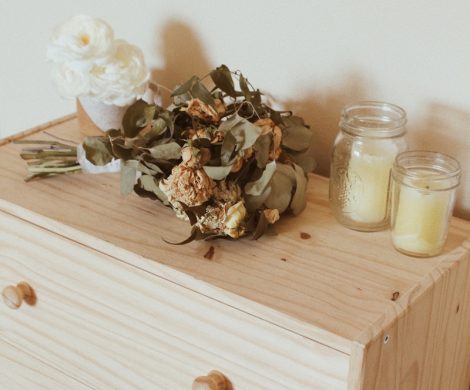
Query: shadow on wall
point(321, 110)
point(446, 130)
point(184, 56)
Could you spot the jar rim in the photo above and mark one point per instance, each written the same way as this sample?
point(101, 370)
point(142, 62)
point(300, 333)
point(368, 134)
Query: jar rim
point(418, 165)
point(373, 119)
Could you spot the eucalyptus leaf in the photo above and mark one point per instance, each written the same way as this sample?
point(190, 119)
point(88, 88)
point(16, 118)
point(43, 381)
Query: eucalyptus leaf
point(297, 137)
point(255, 202)
point(169, 151)
point(185, 87)
point(222, 78)
point(228, 148)
point(261, 148)
point(148, 183)
point(304, 159)
point(199, 91)
point(257, 187)
point(97, 150)
point(128, 176)
point(244, 87)
point(229, 123)
point(261, 227)
point(245, 134)
point(281, 192)
point(133, 118)
point(217, 173)
point(299, 199)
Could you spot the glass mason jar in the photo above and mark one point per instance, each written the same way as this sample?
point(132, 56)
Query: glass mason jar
point(423, 197)
point(371, 136)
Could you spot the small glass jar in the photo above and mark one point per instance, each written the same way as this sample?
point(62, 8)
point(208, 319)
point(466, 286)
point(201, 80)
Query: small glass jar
point(423, 197)
point(371, 136)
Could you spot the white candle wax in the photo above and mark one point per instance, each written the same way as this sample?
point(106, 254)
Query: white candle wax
point(368, 185)
point(420, 224)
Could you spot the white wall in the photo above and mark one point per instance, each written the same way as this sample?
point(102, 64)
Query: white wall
point(314, 56)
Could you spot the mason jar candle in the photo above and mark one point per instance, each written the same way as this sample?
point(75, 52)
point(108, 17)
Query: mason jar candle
point(423, 197)
point(371, 136)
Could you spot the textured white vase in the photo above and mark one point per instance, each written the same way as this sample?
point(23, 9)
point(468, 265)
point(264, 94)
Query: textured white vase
point(96, 117)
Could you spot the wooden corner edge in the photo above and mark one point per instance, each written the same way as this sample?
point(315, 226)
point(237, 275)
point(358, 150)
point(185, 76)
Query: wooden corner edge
point(37, 129)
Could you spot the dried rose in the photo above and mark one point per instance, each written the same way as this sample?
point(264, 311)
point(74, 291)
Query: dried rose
point(271, 215)
point(227, 192)
point(269, 127)
point(233, 220)
point(188, 185)
point(197, 108)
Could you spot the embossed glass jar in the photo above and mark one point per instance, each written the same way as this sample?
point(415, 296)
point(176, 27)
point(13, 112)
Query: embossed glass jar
point(371, 136)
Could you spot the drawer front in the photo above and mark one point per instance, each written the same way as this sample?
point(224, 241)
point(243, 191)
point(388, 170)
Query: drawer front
point(108, 324)
point(19, 370)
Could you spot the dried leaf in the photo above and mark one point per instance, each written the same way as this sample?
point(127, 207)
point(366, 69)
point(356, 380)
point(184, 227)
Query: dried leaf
point(149, 184)
point(261, 148)
point(297, 137)
point(223, 80)
point(281, 192)
point(255, 202)
point(257, 187)
point(133, 119)
point(185, 87)
point(97, 150)
point(217, 173)
point(169, 151)
point(304, 159)
point(199, 91)
point(299, 199)
point(128, 176)
point(261, 227)
point(244, 87)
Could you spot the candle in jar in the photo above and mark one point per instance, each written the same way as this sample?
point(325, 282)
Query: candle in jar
point(368, 184)
point(420, 222)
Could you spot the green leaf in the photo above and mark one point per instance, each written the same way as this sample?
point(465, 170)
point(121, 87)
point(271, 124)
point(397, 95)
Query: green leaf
point(199, 91)
point(245, 133)
point(148, 183)
point(128, 176)
point(261, 148)
point(229, 123)
point(133, 119)
point(169, 151)
point(281, 192)
point(97, 150)
point(244, 87)
point(297, 137)
point(304, 159)
point(217, 173)
point(257, 187)
point(185, 87)
point(261, 227)
point(299, 199)
point(228, 147)
point(223, 80)
point(149, 113)
point(255, 202)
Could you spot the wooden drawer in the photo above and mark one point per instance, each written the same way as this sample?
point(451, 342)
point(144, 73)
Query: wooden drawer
point(107, 324)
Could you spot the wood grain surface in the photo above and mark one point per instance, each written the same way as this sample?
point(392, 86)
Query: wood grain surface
point(108, 324)
point(338, 280)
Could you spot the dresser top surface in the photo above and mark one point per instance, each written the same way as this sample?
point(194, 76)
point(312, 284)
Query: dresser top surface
point(314, 270)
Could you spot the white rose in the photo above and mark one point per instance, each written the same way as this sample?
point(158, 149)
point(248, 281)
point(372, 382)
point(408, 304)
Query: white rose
point(82, 38)
point(71, 79)
point(121, 78)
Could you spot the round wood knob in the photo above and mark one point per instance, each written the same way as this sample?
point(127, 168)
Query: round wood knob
point(13, 296)
point(215, 380)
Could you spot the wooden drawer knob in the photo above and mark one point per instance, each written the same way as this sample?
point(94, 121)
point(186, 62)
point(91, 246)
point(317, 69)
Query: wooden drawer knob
point(13, 296)
point(215, 380)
